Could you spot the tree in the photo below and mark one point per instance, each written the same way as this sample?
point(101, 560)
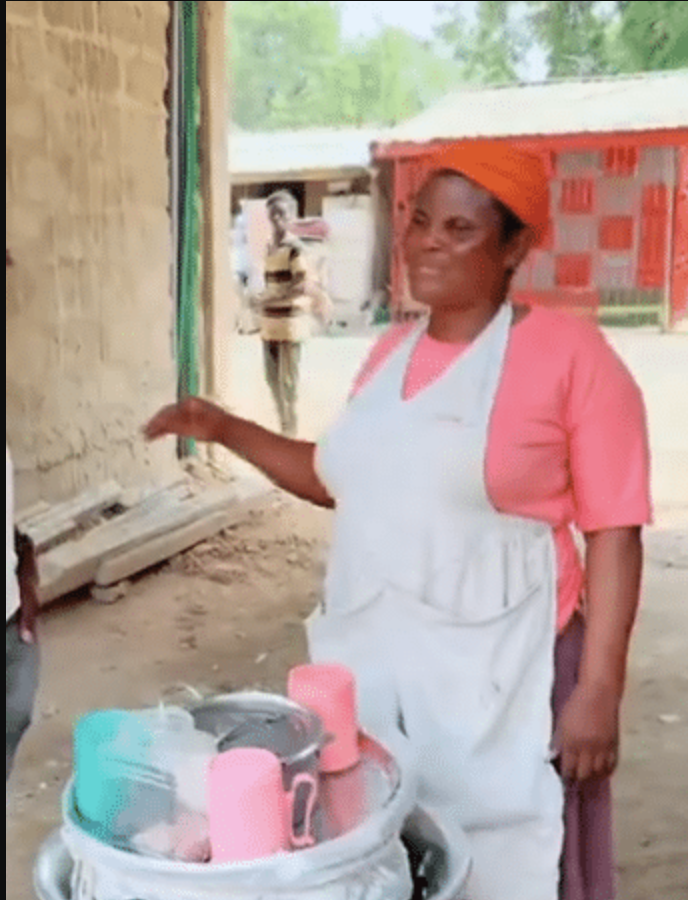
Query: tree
point(574, 34)
point(291, 69)
point(585, 37)
point(280, 52)
point(579, 37)
point(652, 36)
point(404, 75)
point(490, 50)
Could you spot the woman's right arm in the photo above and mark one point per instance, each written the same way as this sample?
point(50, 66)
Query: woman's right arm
point(288, 463)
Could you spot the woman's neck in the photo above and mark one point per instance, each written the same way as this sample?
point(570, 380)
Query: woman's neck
point(454, 325)
point(279, 239)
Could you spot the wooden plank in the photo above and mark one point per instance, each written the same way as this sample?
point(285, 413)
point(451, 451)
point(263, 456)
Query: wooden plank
point(53, 533)
point(63, 520)
point(31, 512)
point(56, 580)
point(79, 505)
point(77, 563)
point(123, 565)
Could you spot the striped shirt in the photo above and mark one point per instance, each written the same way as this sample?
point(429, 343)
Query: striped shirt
point(284, 317)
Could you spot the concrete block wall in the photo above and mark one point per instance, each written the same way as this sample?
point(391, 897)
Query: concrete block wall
point(90, 315)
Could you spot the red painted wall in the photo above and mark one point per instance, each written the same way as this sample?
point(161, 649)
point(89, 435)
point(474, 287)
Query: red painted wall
point(679, 290)
point(619, 222)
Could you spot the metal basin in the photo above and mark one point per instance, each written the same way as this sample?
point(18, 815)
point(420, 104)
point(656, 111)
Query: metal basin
point(52, 870)
point(436, 875)
point(349, 799)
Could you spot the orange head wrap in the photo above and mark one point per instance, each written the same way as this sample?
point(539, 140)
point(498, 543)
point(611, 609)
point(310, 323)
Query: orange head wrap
point(517, 178)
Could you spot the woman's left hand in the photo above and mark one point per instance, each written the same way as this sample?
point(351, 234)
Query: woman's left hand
point(587, 737)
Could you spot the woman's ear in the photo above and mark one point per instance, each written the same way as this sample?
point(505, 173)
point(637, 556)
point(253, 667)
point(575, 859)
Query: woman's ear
point(518, 247)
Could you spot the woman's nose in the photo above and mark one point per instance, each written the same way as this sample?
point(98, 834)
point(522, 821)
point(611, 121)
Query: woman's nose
point(430, 237)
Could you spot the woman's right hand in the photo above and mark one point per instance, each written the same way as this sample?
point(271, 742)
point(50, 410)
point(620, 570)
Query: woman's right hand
point(288, 463)
point(190, 418)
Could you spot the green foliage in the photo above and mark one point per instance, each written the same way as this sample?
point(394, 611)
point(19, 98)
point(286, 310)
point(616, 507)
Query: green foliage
point(653, 35)
point(579, 37)
point(575, 35)
point(291, 67)
point(405, 75)
point(491, 49)
point(280, 52)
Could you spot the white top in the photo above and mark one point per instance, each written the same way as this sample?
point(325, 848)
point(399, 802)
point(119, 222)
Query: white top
point(12, 585)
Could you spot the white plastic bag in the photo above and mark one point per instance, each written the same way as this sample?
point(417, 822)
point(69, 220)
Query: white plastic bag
point(384, 875)
point(368, 863)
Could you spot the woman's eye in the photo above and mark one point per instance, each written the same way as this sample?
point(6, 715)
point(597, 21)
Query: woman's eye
point(459, 227)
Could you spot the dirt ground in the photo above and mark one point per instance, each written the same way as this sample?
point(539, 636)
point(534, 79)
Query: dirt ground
point(230, 613)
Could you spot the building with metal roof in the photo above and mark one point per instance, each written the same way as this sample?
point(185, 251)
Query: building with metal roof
point(631, 104)
point(328, 171)
point(617, 153)
point(308, 155)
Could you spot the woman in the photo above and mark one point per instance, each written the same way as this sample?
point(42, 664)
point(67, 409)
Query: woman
point(471, 444)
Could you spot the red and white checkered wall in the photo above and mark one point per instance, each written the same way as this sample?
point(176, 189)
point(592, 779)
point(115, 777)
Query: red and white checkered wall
point(610, 235)
point(610, 228)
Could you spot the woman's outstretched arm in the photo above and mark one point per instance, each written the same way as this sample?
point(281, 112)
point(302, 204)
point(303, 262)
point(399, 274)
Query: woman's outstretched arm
point(288, 463)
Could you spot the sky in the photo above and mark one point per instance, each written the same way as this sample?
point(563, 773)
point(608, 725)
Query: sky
point(362, 18)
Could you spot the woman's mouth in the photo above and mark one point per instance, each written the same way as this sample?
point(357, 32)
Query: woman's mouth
point(427, 271)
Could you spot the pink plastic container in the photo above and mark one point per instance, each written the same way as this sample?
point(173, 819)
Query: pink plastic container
point(330, 692)
point(251, 814)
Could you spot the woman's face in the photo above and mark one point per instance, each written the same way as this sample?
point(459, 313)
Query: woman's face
point(454, 249)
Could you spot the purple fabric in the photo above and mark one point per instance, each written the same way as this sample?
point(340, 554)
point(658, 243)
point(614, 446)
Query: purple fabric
point(588, 871)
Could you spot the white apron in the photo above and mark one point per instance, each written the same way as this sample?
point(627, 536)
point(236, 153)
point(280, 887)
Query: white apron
point(446, 611)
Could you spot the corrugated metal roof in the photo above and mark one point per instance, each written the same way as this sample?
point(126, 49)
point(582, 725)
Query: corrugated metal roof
point(637, 103)
point(282, 153)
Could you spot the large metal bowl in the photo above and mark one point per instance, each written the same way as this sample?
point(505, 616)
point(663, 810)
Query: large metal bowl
point(437, 875)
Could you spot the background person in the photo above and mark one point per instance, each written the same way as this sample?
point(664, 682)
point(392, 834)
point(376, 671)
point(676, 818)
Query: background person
point(285, 306)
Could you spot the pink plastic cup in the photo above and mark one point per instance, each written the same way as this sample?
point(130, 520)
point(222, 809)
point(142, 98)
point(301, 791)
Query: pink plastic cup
point(251, 815)
point(330, 692)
